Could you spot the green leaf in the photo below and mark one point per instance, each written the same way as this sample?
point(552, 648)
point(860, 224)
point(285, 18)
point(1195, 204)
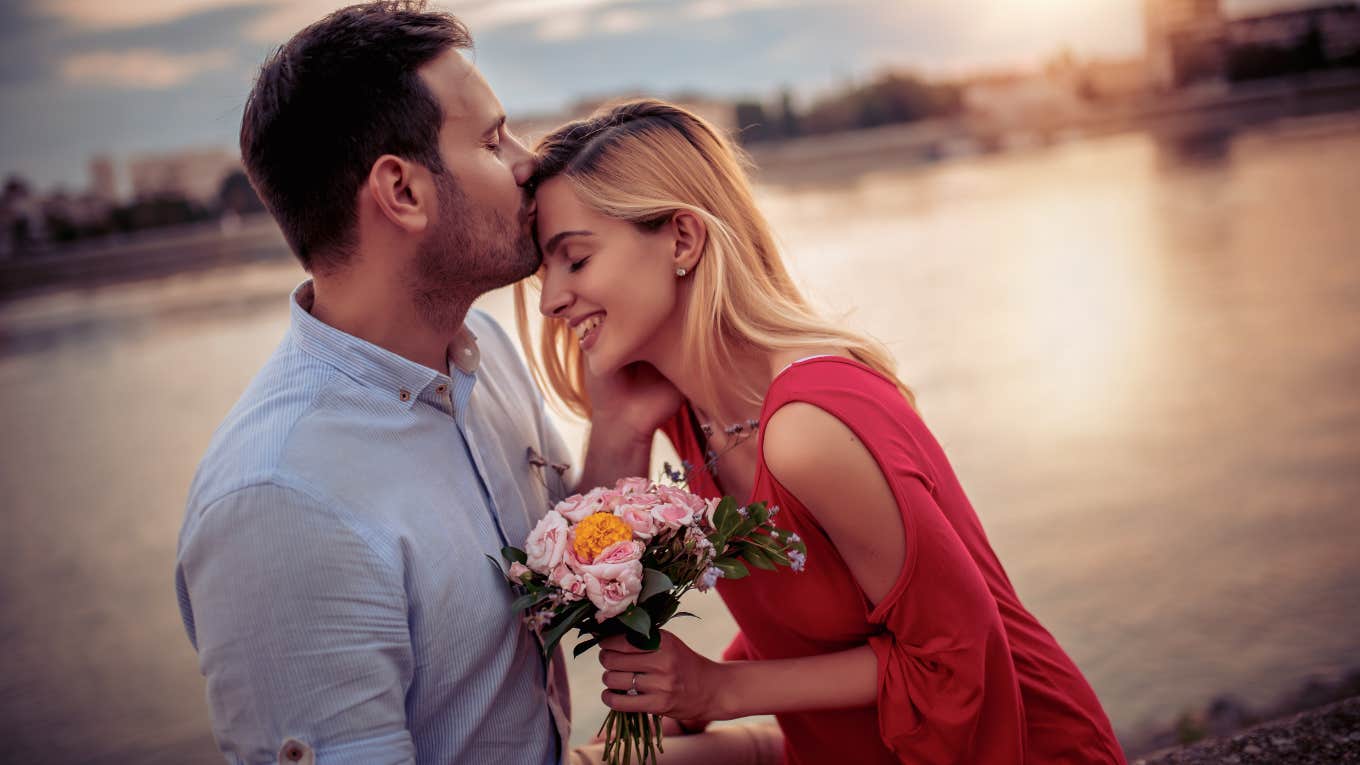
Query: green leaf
point(725, 516)
point(637, 620)
point(649, 642)
point(661, 608)
point(569, 619)
point(732, 569)
point(525, 600)
point(583, 646)
point(757, 557)
point(679, 614)
point(514, 555)
point(654, 582)
point(759, 513)
point(497, 565)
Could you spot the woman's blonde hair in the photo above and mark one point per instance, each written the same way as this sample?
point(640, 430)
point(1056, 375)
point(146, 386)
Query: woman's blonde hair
point(643, 161)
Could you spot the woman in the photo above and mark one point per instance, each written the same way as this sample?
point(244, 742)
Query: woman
point(903, 640)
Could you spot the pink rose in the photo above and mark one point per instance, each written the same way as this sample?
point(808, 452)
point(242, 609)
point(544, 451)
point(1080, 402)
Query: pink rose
point(610, 499)
point(673, 516)
point(520, 572)
point(620, 552)
point(639, 519)
point(573, 585)
point(692, 502)
point(632, 486)
point(575, 508)
point(547, 543)
point(612, 587)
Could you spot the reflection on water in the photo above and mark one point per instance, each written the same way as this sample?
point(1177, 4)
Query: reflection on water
point(1143, 366)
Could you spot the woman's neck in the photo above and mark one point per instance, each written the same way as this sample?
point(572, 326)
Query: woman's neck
point(729, 401)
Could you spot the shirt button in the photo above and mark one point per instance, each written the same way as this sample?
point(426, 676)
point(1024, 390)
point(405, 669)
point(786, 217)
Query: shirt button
point(404, 394)
point(294, 750)
point(442, 388)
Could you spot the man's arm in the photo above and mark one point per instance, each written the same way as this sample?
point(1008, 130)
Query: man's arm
point(301, 630)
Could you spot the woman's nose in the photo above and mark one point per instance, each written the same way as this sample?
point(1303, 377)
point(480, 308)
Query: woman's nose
point(552, 301)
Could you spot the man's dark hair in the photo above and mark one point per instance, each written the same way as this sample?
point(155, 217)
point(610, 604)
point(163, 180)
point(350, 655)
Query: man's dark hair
point(341, 93)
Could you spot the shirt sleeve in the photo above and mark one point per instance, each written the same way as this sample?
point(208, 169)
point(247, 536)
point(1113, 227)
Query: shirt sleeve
point(301, 631)
point(947, 687)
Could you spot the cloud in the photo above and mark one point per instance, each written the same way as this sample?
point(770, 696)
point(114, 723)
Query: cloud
point(140, 68)
point(102, 14)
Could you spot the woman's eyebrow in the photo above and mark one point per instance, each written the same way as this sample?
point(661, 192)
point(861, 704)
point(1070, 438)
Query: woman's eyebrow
point(558, 237)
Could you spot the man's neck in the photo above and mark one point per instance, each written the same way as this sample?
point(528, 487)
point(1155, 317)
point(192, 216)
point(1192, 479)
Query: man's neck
point(387, 318)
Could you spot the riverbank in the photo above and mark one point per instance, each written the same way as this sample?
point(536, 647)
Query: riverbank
point(1326, 736)
point(1318, 717)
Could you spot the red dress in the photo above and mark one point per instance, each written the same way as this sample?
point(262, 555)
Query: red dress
point(965, 674)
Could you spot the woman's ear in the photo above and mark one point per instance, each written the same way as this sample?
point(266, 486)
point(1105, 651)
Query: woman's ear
point(402, 191)
point(690, 235)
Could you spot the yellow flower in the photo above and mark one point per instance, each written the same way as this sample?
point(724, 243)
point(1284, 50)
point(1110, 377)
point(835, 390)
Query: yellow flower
point(598, 531)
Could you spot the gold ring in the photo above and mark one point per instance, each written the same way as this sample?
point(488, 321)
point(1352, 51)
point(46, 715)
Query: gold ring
point(632, 690)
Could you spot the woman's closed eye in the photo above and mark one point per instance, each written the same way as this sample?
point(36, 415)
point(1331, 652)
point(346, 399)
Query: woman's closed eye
point(577, 265)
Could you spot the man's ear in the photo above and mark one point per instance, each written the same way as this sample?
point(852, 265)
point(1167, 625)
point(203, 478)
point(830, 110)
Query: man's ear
point(403, 191)
point(690, 233)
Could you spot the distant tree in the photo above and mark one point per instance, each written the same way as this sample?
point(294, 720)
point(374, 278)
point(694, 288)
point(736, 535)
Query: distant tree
point(753, 125)
point(237, 195)
point(891, 98)
point(789, 124)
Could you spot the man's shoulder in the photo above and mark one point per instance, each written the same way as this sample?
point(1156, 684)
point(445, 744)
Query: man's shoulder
point(248, 446)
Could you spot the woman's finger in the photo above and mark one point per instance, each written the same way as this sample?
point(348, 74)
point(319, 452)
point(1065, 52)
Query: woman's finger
point(623, 681)
point(643, 702)
point(620, 643)
point(628, 662)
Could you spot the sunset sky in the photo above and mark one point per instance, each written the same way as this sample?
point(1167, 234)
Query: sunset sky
point(81, 77)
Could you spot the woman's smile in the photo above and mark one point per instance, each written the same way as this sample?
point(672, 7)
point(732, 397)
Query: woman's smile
point(588, 330)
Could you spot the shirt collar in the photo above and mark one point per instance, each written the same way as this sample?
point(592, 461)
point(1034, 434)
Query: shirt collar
point(464, 355)
point(371, 365)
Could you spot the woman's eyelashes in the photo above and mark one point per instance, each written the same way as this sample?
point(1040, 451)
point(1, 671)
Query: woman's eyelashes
point(576, 265)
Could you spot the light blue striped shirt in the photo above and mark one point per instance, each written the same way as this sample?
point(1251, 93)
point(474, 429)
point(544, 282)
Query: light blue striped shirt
point(332, 572)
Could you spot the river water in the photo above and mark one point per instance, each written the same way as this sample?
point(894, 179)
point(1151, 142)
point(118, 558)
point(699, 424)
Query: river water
point(1142, 358)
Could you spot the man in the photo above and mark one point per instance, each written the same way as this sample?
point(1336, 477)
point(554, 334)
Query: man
point(331, 571)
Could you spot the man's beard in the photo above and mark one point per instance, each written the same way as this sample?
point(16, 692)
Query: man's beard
point(468, 252)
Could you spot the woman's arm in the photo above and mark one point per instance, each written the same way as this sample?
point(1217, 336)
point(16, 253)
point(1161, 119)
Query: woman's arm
point(628, 407)
point(821, 461)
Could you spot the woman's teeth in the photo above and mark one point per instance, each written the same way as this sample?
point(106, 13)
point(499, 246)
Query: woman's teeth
point(586, 326)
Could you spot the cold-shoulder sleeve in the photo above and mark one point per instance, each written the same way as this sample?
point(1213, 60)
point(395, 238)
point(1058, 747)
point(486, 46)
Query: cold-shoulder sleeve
point(738, 649)
point(947, 688)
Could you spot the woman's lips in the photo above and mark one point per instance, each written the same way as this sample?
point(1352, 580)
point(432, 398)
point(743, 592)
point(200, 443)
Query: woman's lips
point(588, 330)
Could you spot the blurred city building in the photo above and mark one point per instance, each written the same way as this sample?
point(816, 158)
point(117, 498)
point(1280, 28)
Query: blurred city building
point(195, 175)
point(104, 178)
point(1192, 42)
point(1185, 42)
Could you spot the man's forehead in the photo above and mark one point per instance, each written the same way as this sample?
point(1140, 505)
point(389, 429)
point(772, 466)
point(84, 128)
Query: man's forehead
point(464, 95)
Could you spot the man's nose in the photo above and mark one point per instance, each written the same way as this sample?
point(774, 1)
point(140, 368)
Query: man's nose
point(522, 161)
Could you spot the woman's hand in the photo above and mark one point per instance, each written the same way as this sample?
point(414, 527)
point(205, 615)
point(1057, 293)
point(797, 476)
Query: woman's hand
point(635, 400)
point(672, 680)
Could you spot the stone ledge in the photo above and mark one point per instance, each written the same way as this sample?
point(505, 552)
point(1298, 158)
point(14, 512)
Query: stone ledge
point(1327, 735)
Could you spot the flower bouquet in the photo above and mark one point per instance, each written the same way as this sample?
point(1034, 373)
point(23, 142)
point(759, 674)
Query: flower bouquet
point(616, 561)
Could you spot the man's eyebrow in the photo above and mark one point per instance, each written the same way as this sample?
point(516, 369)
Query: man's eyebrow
point(558, 237)
point(495, 127)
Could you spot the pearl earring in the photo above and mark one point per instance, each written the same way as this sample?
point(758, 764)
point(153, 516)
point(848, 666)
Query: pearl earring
point(680, 272)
